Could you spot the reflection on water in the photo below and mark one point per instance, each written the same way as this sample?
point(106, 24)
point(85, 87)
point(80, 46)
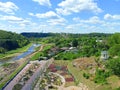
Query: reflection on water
point(29, 51)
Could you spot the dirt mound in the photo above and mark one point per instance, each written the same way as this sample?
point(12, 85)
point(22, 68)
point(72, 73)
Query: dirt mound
point(84, 63)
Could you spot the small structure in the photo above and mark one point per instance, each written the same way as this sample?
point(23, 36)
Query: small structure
point(64, 48)
point(53, 51)
point(99, 40)
point(43, 58)
point(104, 55)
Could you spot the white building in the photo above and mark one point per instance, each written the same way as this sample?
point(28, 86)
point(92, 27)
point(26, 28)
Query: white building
point(104, 55)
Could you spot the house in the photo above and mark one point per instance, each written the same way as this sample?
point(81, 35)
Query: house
point(64, 48)
point(104, 55)
point(43, 58)
point(99, 41)
point(53, 51)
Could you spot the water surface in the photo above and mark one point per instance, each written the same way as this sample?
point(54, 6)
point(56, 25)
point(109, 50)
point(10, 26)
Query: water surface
point(24, 54)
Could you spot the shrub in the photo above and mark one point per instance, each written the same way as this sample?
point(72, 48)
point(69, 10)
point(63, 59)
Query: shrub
point(100, 76)
point(17, 87)
point(86, 75)
point(114, 66)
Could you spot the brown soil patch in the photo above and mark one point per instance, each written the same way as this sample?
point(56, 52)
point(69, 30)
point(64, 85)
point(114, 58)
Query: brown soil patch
point(85, 63)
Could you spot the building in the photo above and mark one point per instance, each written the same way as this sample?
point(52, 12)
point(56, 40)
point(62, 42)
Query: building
point(104, 55)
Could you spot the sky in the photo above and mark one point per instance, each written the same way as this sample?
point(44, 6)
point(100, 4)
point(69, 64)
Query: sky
point(66, 16)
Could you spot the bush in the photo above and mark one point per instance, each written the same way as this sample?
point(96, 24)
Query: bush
point(17, 87)
point(100, 76)
point(86, 75)
point(67, 56)
point(114, 66)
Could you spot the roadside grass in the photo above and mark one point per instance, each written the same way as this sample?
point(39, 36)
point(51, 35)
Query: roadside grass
point(36, 56)
point(14, 52)
point(9, 77)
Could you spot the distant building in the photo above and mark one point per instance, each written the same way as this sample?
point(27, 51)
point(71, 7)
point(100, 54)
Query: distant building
point(64, 48)
point(99, 41)
point(104, 55)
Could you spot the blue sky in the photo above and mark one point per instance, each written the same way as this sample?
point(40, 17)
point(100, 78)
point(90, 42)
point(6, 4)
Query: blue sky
point(73, 16)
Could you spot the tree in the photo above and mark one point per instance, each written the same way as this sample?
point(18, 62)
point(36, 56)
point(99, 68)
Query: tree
point(115, 50)
point(74, 43)
point(2, 50)
point(114, 66)
point(11, 41)
point(114, 44)
point(114, 39)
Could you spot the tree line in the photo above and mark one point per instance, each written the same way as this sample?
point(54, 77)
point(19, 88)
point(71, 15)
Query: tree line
point(10, 41)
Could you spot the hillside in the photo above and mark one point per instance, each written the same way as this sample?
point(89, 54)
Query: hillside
point(10, 41)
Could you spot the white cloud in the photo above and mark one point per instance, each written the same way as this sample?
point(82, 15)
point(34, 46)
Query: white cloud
point(51, 18)
point(92, 20)
point(8, 7)
point(43, 2)
point(111, 17)
point(16, 20)
point(71, 6)
point(10, 18)
point(58, 21)
point(49, 14)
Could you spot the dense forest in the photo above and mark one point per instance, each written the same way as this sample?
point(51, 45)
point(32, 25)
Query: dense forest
point(36, 35)
point(11, 41)
point(41, 35)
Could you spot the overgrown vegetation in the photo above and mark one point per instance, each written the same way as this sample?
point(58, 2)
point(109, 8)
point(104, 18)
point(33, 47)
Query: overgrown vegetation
point(67, 56)
point(100, 76)
point(114, 66)
point(114, 44)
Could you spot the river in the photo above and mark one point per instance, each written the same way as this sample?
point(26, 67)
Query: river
point(24, 54)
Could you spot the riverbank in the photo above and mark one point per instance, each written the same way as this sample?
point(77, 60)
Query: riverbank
point(16, 52)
